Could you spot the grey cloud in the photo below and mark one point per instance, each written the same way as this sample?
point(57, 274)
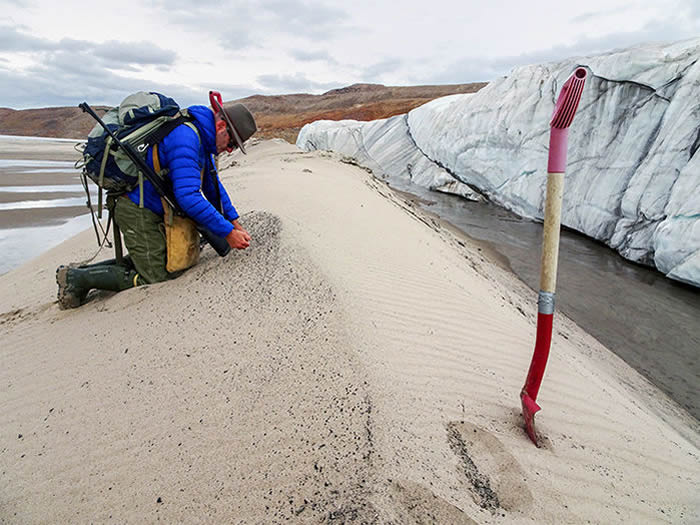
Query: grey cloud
point(239, 31)
point(212, 7)
point(311, 56)
point(234, 26)
point(13, 40)
point(69, 71)
point(229, 91)
point(17, 3)
point(305, 18)
point(593, 15)
point(374, 72)
point(134, 53)
point(655, 31)
point(70, 44)
point(693, 8)
point(127, 54)
point(56, 84)
point(248, 23)
point(297, 83)
point(468, 70)
point(64, 63)
point(479, 69)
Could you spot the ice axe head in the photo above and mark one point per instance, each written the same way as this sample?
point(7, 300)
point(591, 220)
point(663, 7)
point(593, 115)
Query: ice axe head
point(530, 408)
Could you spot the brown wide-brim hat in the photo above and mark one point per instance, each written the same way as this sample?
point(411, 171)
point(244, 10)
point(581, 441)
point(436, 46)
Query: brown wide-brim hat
point(240, 122)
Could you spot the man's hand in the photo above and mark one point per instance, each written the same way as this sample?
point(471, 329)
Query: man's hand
point(238, 239)
point(241, 229)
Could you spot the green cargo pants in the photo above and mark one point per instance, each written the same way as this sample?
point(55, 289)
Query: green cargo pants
point(144, 237)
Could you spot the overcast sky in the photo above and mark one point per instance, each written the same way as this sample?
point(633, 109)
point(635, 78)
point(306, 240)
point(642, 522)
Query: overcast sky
point(61, 52)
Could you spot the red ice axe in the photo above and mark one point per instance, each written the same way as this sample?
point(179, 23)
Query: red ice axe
point(563, 115)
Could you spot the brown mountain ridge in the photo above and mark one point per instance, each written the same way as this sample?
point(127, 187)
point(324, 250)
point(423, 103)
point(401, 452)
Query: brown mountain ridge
point(276, 115)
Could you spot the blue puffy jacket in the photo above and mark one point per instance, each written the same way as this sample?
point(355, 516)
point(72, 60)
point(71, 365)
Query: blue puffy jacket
point(184, 154)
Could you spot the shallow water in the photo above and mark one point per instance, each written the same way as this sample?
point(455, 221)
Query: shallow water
point(18, 245)
point(59, 188)
point(38, 166)
point(19, 138)
point(42, 201)
point(650, 321)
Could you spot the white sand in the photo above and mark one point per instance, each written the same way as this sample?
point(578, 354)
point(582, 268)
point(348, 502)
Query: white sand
point(359, 363)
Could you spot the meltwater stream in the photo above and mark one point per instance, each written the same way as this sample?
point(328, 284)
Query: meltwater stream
point(650, 321)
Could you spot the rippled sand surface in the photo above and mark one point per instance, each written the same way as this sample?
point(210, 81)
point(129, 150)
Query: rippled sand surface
point(359, 363)
point(648, 320)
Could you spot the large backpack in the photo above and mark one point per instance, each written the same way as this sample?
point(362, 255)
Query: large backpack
point(139, 123)
point(142, 120)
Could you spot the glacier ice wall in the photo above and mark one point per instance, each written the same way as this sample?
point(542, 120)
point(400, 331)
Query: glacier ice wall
point(633, 172)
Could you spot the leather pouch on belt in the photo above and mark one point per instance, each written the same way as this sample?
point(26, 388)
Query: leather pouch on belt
point(182, 241)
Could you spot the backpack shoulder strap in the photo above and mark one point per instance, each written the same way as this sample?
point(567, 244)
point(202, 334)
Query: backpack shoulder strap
point(166, 128)
point(190, 124)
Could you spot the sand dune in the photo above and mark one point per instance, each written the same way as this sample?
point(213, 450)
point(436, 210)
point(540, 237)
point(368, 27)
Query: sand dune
point(360, 363)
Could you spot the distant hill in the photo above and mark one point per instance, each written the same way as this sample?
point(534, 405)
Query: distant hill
point(284, 115)
point(56, 122)
point(276, 115)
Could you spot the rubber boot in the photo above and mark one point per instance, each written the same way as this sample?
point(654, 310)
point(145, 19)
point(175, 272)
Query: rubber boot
point(75, 283)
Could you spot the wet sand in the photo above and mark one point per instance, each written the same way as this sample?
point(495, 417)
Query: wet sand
point(359, 363)
point(35, 148)
point(39, 217)
point(8, 198)
point(14, 177)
